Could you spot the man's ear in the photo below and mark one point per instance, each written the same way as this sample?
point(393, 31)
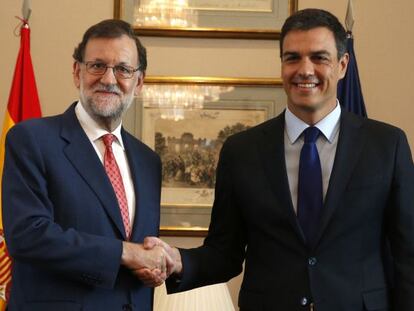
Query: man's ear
point(140, 83)
point(76, 74)
point(343, 65)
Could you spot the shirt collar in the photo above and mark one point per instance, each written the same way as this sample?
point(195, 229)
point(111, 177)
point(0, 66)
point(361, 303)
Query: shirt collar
point(328, 125)
point(92, 129)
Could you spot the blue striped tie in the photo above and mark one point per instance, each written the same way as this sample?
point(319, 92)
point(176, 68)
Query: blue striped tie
point(310, 200)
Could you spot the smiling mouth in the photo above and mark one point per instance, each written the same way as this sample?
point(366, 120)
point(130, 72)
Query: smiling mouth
point(107, 93)
point(306, 85)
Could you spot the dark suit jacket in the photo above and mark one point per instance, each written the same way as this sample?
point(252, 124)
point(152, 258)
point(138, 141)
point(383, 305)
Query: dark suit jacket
point(62, 222)
point(370, 200)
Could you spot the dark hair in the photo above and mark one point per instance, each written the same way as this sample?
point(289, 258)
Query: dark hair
point(308, 19)
point(111, 28)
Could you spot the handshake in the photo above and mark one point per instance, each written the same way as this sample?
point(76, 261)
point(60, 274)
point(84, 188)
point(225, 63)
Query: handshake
point(153, 261)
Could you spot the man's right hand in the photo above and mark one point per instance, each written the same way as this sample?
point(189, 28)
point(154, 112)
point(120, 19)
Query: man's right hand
point(175, 265)
point(153, 263)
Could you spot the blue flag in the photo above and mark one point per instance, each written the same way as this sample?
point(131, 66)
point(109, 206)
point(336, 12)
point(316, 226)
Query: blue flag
point(349, 88)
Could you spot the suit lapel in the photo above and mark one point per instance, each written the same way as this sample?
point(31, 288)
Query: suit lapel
point(350, 143)
point(83, 157)
point(272, 152)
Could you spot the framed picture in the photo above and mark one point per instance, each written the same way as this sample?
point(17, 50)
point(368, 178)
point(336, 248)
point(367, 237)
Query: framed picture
point(188, 135)
point(242, 19)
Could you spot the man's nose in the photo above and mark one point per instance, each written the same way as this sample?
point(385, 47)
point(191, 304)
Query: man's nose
point(109, 76)
point(306, 67)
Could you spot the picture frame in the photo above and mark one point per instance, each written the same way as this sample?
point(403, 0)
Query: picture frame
point(237, 19)
point(189, 147)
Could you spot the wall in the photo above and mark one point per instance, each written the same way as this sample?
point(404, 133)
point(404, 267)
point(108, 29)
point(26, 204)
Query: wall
point(55, 30)
point(384, 43)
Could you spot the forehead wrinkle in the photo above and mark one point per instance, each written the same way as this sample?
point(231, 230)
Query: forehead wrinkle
point(315, 38)
point(112, 50)
point(118, 60)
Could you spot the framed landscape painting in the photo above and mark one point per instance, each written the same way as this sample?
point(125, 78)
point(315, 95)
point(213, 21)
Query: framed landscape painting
point(189, 141)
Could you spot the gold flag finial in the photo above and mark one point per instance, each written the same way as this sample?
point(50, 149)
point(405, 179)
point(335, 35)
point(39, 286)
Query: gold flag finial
point(349, 19)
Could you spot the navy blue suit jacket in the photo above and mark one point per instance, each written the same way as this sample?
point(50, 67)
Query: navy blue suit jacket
point(369, 206)
point(62, 222)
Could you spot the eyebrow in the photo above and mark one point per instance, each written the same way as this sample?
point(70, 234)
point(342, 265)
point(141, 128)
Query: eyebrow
point(290, 54)
point(122, 63)
point(97, 60)
point(321, 52)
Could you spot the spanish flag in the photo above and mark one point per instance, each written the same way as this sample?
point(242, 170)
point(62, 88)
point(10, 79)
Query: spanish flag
point(23, 104)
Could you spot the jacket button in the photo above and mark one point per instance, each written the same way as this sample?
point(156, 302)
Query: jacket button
point(127, 307)
point(312, 261)
point(303, 301)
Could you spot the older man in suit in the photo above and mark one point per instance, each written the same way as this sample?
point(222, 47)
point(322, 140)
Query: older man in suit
point(315, 201)
point(80, 193)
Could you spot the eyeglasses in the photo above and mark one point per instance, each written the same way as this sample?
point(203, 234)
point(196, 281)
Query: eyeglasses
point(120, 71)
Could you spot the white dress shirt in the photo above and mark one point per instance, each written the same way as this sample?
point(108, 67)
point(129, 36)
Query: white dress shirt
point(95, 133)
point(326, 145)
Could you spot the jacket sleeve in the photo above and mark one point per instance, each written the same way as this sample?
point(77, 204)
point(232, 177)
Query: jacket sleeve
point(31, 233)
point(401, 226)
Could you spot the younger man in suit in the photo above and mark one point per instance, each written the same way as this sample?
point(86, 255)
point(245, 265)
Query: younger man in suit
point(310, 199)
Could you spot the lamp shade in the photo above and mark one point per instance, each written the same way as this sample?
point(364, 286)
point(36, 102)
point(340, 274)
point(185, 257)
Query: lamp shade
point(208, 298)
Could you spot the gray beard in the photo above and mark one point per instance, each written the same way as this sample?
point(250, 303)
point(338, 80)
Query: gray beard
point(112, 114)
point(105, 115)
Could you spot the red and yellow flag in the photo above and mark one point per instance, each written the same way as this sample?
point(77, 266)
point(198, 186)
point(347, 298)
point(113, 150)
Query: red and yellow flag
point(23, 104)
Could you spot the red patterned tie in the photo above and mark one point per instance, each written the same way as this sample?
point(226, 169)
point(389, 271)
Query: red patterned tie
point(112, 169)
